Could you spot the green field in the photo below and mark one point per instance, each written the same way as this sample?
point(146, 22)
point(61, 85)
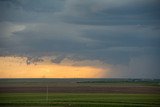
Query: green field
point(79, 93)
point(79, 100)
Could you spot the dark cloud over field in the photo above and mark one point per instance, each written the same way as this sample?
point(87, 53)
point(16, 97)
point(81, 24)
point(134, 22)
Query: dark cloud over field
point(122, 33)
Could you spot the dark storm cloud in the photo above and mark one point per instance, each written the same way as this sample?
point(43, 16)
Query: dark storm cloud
point(106, 12)
point(116, 32)
point(130, 38)
point(58, 59)
point(29, 10)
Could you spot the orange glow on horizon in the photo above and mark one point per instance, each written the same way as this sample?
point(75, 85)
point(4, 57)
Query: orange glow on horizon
point(11, 67)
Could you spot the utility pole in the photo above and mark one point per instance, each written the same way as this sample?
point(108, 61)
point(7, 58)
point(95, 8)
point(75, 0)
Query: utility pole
point(47, 93)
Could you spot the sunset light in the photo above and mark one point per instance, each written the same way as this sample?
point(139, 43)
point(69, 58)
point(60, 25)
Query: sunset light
point(16, 67)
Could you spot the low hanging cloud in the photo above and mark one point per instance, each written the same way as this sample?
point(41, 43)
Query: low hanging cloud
point(116, 33)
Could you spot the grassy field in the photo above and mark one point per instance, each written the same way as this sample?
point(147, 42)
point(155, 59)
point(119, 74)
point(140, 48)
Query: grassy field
point(79, 93)
point(79, 100)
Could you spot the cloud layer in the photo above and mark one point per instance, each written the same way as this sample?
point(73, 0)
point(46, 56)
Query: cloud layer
point(120, 33)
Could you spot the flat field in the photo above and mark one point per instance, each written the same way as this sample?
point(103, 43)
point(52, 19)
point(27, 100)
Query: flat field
point(79, 93)
point(79, 100)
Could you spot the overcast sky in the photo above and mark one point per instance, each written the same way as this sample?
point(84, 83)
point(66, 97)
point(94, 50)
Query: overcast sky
point(123, 35)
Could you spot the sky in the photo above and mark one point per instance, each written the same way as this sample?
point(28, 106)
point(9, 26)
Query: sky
point(80, 39)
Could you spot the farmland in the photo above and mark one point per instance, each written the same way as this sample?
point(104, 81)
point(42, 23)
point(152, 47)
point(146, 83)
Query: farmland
point(79, 93)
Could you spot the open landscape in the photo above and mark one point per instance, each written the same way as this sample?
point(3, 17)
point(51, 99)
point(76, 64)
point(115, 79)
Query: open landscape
point(79, 53)
point(80, 92)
